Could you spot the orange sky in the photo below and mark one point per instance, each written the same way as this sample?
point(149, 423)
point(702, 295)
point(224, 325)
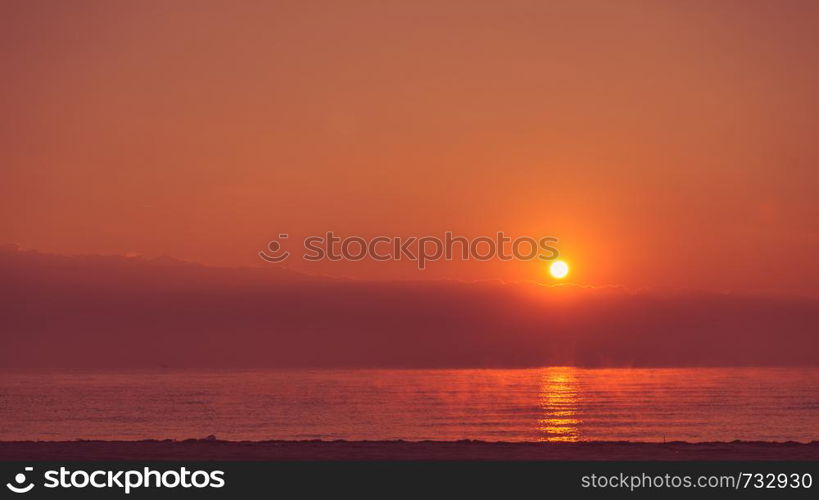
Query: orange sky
point(664, 143)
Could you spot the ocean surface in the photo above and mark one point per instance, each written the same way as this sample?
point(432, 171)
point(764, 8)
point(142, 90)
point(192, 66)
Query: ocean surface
point(546, 404)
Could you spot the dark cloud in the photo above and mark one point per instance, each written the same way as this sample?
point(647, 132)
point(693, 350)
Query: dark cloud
point(107, 312)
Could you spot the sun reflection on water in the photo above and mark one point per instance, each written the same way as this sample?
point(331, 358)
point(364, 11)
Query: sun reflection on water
point(558, 401)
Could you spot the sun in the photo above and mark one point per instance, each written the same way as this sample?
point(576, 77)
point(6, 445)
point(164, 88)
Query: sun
point(559, 269)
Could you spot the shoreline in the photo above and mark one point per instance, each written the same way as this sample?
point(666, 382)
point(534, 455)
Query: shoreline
point(215, 450)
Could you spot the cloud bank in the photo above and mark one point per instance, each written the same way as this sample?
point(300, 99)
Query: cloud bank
point(116, 312)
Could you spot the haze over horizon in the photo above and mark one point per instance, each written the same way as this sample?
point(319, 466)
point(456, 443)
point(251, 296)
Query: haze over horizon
point(98, 312)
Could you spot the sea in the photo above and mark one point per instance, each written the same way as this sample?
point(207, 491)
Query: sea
point(541, 404)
